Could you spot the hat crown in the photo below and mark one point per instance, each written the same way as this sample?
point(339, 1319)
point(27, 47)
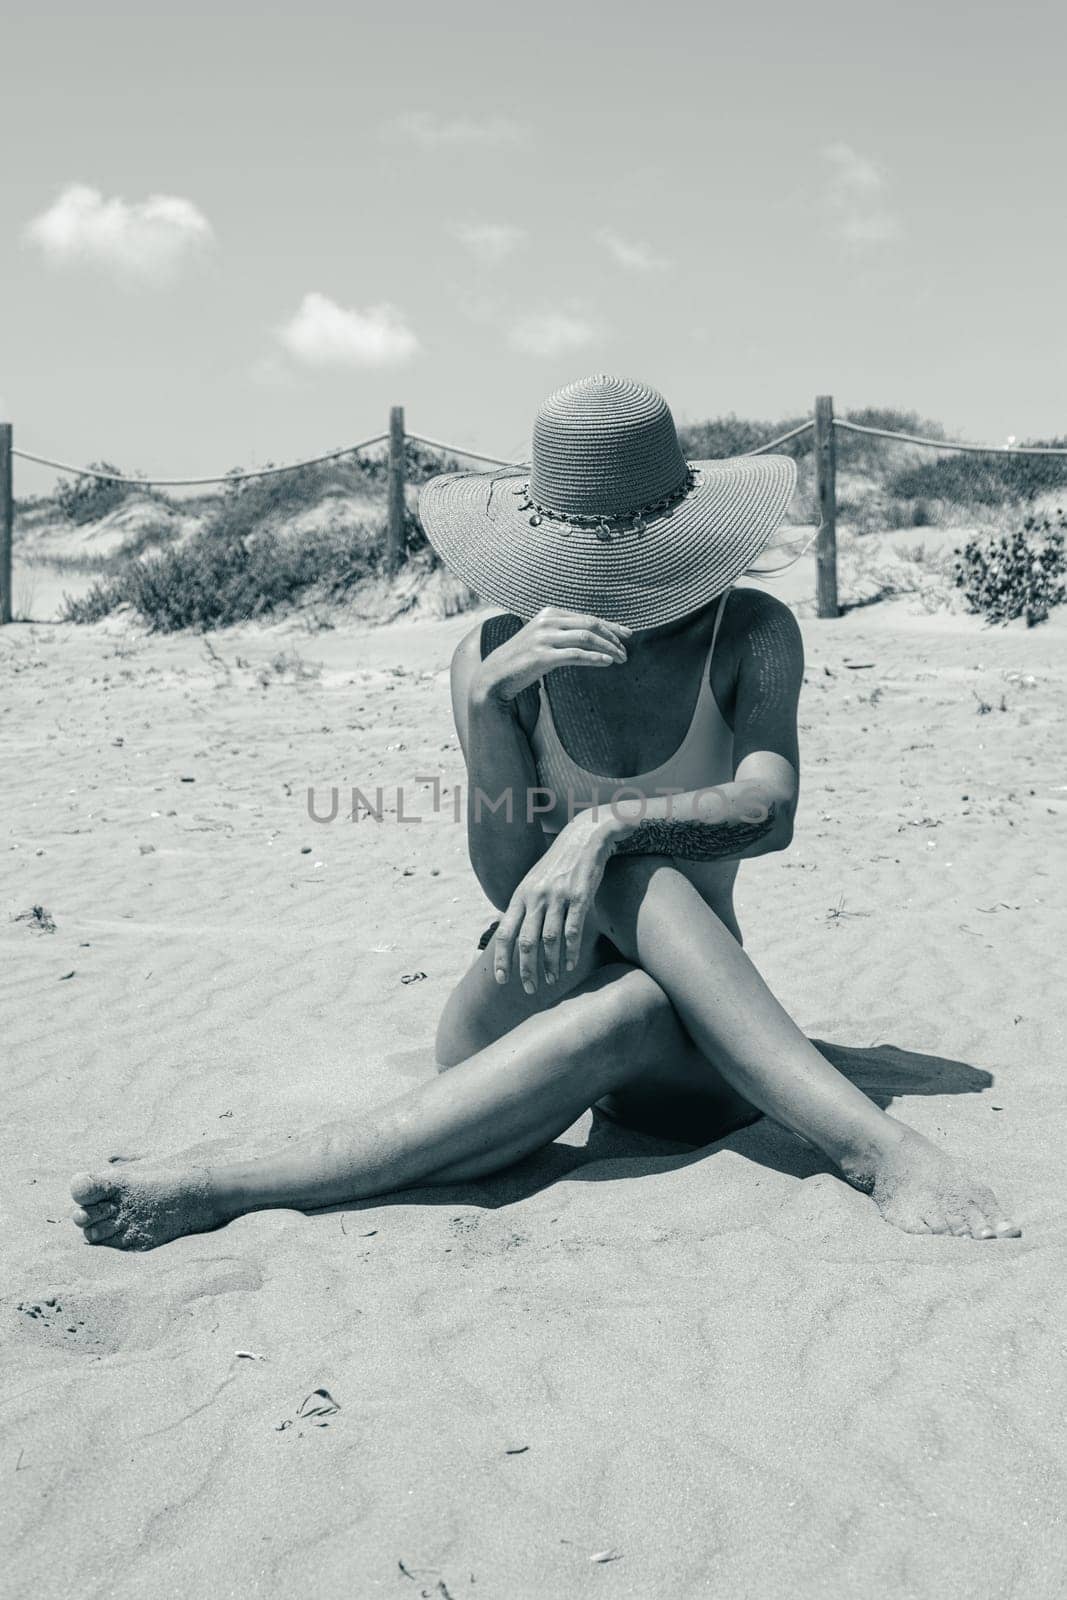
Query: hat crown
point(604, 446)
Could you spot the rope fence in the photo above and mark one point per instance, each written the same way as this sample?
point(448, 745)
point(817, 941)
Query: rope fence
point(260, 472)
point(823, 423)
point(196, 483)
point(952, 444)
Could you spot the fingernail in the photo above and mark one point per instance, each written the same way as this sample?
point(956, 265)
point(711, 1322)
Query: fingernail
point(501, 975)
point(549, 978)
point(528, 986)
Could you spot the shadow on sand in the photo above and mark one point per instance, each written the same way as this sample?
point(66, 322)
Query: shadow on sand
point(883, 1071)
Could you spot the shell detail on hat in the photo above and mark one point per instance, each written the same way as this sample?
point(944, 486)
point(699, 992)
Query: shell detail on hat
point(609, 517)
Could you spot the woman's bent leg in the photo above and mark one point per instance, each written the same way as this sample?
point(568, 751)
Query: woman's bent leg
point(656, 917)
point(506, 1100)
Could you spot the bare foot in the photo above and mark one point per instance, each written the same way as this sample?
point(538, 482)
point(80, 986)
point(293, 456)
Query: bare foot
point(919, 1188)
point(138, 1207)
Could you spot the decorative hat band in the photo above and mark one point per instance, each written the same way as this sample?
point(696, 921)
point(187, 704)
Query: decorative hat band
point(608, 526)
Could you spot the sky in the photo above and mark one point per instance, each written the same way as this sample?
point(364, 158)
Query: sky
point(231, 237)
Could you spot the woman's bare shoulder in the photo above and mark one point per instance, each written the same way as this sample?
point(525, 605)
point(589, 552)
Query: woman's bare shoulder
point(755, 619)
point(497, 630)
point(487, 635)
point(480, 641)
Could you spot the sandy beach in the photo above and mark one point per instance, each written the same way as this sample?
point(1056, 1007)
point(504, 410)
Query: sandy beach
point(624, 1368)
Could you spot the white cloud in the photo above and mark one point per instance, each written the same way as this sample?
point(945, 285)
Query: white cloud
point(874, 227)
point(856, 195)
point(853, 173)
point(432, 132)
point(324, 334)
point(146, 242)
point(489, 242)
point(630, 254)
point(551, 333)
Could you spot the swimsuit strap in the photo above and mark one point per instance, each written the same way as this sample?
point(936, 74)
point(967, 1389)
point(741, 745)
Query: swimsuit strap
point(718, 618)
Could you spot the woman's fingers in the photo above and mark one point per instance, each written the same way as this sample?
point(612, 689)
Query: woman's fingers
point(588, 639)
point(552, 939)
point(573, 929)
point(571, 656)
point(583, 619)
point(504, 942)
point(530, 945)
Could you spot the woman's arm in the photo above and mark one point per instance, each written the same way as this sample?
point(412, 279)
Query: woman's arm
point(753, 814)
point(502, 844)
point(490, 695)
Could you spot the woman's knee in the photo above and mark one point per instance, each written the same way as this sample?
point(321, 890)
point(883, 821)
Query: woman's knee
point(624, 886)
point(631, 1004)
point(617, 1002)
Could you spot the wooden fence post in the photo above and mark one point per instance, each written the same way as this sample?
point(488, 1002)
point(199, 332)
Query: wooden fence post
point(394, 541)
point(826, 498)
point(7, 520)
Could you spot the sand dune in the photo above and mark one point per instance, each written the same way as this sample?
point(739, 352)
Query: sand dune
point(623, 1368)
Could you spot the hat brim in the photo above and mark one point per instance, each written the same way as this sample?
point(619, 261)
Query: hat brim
point(682, 560)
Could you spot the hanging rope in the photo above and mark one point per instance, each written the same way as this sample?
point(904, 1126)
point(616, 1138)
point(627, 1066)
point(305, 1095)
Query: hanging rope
point(498, 461)
point(457, 450)
point(951, 444)
point(191, 483)
point(793, 433)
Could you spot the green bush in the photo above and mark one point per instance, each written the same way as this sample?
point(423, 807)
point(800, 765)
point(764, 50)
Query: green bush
point(86, 499)
point(1016, 575)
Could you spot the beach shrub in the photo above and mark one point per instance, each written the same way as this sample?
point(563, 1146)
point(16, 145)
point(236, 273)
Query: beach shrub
point(216, 579)
point(733, 436)
point(859, 452)
point(247, 503)
point(86, 499)
point(1016, 575)
point(148, 537)
point(985, 480)
point(243, 564)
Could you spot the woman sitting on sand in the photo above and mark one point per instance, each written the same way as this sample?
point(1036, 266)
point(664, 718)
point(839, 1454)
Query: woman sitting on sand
point(615, 976)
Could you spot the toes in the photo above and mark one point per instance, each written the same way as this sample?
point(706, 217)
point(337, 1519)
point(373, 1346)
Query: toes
point(957, 1224)
point(908, 1222)
point(977, 1223)
point(1002, 1226)
point(88, 1188)
point(84, 1215)
point(99, 1232)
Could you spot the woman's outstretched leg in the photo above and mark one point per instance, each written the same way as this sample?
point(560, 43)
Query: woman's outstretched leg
point(656, 918)
point(511, 1097)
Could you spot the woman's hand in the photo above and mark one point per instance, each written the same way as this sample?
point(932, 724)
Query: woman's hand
point(553, 638)
point(547, 914)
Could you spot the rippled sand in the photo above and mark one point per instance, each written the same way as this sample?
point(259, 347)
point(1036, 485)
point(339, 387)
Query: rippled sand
point(624, 1368)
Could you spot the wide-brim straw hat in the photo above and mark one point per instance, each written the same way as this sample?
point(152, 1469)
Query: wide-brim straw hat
point(609, 517)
